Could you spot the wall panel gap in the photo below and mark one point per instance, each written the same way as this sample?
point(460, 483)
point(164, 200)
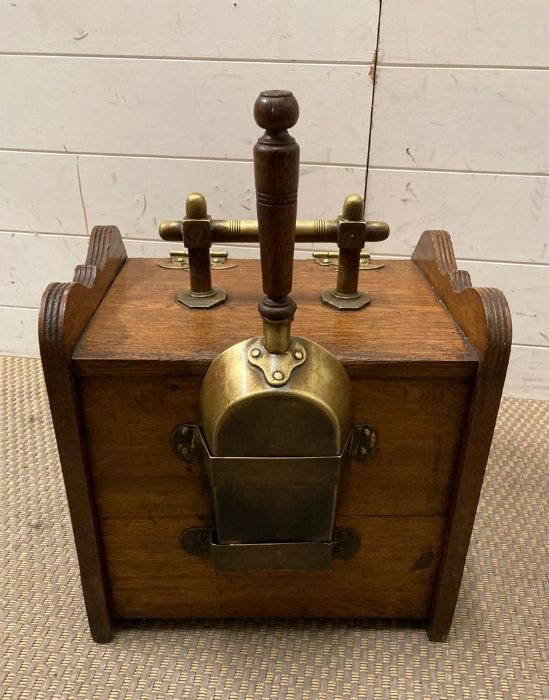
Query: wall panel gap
point(373, 75)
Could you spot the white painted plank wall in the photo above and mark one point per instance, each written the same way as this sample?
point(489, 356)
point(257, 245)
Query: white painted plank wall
point(341, 31)
point(112, 112)
point(185, 109)
point(460, 141)
point(40, 192)
point(469, 33)
point(491, 216)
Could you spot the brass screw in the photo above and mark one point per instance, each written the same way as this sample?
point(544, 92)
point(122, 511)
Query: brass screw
point(184, 451)
point(298, 355)
point(278, 375)
point(256, 352)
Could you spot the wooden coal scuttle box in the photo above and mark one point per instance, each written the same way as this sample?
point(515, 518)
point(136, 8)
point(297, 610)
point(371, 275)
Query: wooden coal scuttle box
point(217, 465)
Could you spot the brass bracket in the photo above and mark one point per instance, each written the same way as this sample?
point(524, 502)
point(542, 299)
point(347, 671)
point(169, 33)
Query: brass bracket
point(363, 441)
point(189, 446)
point(300, 540)
point(271, 556)
point(276, 367)
point(187, 442)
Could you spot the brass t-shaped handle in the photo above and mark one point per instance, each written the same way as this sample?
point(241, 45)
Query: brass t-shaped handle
point(246, 231)
point(276, 167)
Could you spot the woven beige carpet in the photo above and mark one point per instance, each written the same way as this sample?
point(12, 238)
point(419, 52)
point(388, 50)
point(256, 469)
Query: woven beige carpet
point(497, 647)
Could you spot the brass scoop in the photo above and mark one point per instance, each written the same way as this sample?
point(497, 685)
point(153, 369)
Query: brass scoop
point(275, 411)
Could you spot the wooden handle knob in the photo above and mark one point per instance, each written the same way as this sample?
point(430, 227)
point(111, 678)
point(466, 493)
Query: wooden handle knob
point(276, 165)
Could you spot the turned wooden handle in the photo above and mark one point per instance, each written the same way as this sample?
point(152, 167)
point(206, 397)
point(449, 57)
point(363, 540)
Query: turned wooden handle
point(276, 166)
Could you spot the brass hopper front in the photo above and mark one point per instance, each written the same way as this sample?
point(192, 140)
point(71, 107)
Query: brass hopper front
point(275, 427)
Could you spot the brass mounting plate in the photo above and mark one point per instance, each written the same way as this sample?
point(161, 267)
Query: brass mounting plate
point(345, 302)
point(207, 300)
point(189, 445)
point(178, 260)
point(367, 264)
point(220, 263)
point(271, 556)
point(277, 368)
point(363, 441)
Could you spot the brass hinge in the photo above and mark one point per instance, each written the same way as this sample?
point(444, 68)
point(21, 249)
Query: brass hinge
point(328, 258)
point(179, 260)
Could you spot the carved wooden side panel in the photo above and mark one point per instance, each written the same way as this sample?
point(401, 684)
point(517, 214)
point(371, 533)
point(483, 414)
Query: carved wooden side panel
point(64, 314)
point(483, 315)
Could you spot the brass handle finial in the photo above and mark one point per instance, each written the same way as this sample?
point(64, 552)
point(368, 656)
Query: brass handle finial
point(353, 207)
point(195, 206)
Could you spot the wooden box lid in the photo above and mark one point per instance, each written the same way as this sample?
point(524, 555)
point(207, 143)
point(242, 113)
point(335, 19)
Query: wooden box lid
point(406, 330)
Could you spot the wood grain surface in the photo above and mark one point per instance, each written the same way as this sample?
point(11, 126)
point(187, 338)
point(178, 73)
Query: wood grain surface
point(405, 331)
point(483, 315)
point(276, 170)
point(419, 424)
point(146, 497)
point(66, 309)
point(391, 575)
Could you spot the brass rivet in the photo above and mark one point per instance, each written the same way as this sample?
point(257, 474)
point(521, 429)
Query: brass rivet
point(298, 355)
point(278, 375)
point(202, 537)
point(256, 352)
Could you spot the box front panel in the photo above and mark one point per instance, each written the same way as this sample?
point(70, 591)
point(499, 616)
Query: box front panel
point(146, 497)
